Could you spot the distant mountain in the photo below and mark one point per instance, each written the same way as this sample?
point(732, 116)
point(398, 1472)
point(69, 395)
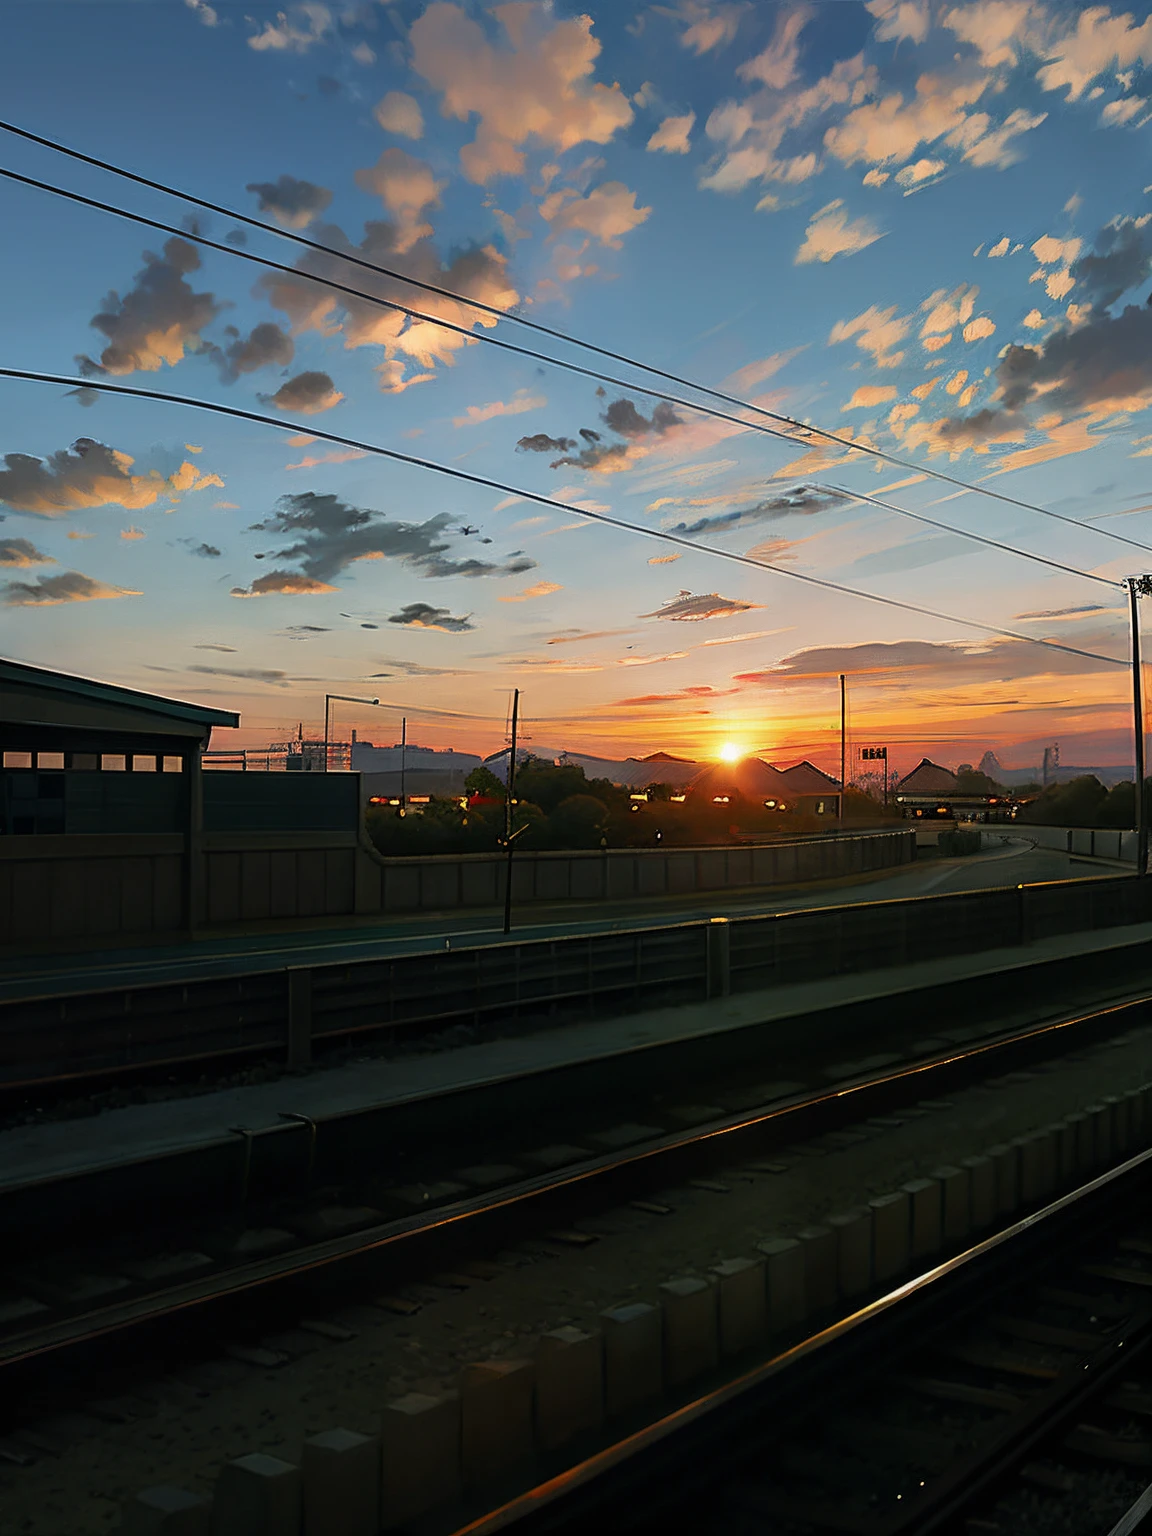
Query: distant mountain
point(1108, 774)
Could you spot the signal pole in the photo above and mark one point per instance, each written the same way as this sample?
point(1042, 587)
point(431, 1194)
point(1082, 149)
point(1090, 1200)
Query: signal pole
point(1139, 586)
point(843, 746)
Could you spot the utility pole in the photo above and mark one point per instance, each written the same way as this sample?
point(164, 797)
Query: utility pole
point(843, 747)
point(508, 839)
point(403, 759)
point(1139, 586)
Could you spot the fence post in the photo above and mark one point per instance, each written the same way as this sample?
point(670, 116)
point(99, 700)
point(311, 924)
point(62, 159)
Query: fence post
point(719, 937)
point(299, 1018)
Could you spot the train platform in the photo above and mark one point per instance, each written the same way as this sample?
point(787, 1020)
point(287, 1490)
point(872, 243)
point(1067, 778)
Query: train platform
point(181, 1129)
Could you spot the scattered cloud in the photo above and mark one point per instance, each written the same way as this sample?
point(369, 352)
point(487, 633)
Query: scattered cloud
point(1099, 42)
point(520, 402)
point(663, 559)
point(541, 589)
point(294, 31)
point(424, 616)
point(1082, 610)
point(291, 202)
point(265, 346)
point(539, 442)
point(90, 474)
point(406, 186)
point(979, 328)
point(674, 135)
point(203, 12)
point(22, 553)
point(399, 113)
point(918, 172)
point(310, 393)
point(208, 645)
point(68, 587)
point(336, 456)
point(875, 331)
point(607, 213)
point(710, 605)
point(206, 551)
point(539, 87)
point(869, 395)
point(831, 233)
point(709, 26)
point(752, 374)
point(131, 534)
point(999, 249)
point(802, 501)
point(157, 320)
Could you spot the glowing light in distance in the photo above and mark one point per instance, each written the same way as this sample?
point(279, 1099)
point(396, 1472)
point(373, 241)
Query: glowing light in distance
point(731, 753)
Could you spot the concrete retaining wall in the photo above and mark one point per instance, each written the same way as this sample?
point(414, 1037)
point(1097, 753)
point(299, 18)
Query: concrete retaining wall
point(1091, 842)
point(118, 886)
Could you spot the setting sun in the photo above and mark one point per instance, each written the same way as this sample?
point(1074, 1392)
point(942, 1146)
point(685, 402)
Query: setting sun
point(731, 753)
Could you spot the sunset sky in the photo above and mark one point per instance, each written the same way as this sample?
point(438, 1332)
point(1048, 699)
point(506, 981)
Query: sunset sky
point(927, 228)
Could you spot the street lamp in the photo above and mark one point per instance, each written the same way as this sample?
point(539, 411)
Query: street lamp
point(1138, 586)
point(347, 699)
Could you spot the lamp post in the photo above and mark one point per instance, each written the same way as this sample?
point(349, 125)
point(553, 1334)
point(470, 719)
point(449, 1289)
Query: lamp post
point(347, 699)
point(1138, 586)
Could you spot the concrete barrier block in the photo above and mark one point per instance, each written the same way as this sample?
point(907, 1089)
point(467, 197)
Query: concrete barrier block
point(340, 1471)
point(1132, 1120)
point(1065, 1134)
point(1006, 1162)
point(927, 1213)
point(820, 1266)
point(691, 1341)
point(633, 1356)
point(1141, 1118)
point(742, 1298)
point(166, 1511)
point(982, 1190)
point(420, 1455)
point(569, 1384)
point(891, 1234)
point(1037, 1165)
point(497, 1419)
point(1099, 1133)
point(1121, 1124)
point(955, 1203)
point(853, 1231)
point(784, 1282)
point(1072, 1146)
point(1111, 1106)
point(257, 1495)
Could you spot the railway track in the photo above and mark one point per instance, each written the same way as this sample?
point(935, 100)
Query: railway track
point(66, 1319)
point(1007, 1392)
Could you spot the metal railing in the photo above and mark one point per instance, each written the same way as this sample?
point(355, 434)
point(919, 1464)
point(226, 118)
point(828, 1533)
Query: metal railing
point(533, 982)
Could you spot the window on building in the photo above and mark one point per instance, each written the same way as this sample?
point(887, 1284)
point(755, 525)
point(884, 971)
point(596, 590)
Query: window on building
point(17, 759)
point(83, 762)
point(143, 765)
point(49, 759)
point(173, 765)
point(113, 762)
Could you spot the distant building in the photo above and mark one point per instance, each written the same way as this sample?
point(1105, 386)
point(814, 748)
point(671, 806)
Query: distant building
point(753, 782)
point(932, 793)
point(424, 770)
point(811, 791)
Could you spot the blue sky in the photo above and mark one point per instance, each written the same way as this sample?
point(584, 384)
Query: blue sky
point(923, 227)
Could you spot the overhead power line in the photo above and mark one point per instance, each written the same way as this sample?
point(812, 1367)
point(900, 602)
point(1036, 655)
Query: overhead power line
point(793, 426)
point(567, 507)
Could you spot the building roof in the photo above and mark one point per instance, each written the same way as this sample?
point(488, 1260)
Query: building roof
point(749, 779)
point(39, 697)
point(661, 757)
point(928, 778)
point(806, 779)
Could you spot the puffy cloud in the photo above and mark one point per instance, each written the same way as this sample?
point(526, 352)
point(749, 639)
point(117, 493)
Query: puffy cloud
point(68, 587)
point(876, 178)
point(540, 442)
point(424, 616)
point(937, 343)
point(623, 418)
point(912, 662)
point(540, 589)
point(831, 233)
point(1048, 251)
point(294, 31)
point(399, 113)
point(802, 501)
point(479, 272)
point(1034, 320)
point(900, 20)
point(89, 474)
point(520, 402)
point(945, 310)
point(877, 332)
point(406, 186)
point(957, 382)
point(920, 170)
point(1000, 248)
point(266, 345)
point(672, 136)
point(1108, 359)
point(158, 320)
point(22, 553)
point(206, 551)
point(327, 535)
point(203, 12)
point(1117, 113)
point(284, 583)
point(606, 213)
point(709, 605)
point(996, 28)
point(309, 393)
point(131, 534)
point(709, 26)
point(540, 87)
point(1098, 42)
point(869, 395)
point(291, 202)
point(776, 66)
point(978, 329)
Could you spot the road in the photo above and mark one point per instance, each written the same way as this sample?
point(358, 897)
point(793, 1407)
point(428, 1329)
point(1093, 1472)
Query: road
point(1016, 863)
